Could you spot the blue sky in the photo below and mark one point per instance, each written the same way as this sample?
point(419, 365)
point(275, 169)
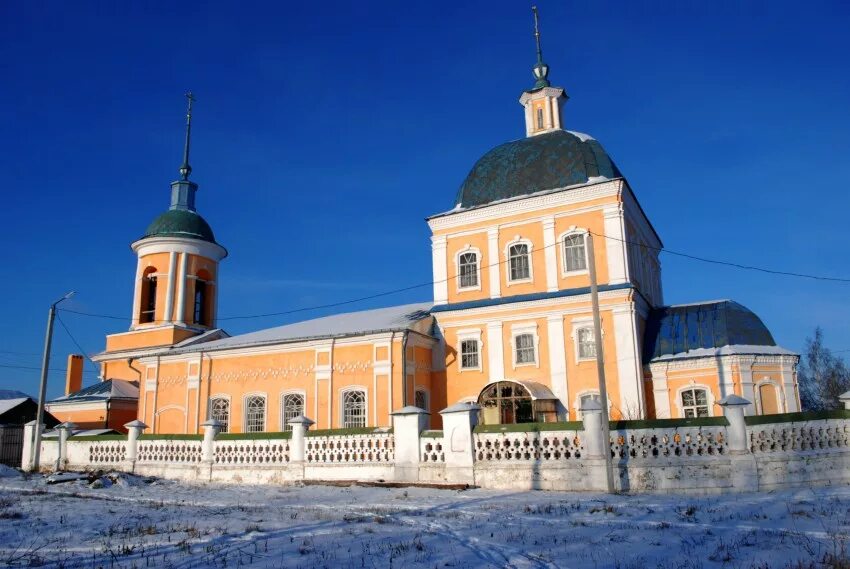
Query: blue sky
point(324, 134)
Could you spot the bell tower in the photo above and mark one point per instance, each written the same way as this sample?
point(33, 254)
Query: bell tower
point(543, 103)
point(176, 287)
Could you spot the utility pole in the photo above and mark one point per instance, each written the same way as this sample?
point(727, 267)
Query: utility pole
point(42, 390)
point(600, 363)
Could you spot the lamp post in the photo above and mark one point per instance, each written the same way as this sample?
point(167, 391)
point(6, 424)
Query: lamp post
point(42, 390)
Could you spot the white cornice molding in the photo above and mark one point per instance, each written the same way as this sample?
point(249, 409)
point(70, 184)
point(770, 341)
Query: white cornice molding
point(568, 195)
point(152, 245)
point(544, 302)
point(664, 367)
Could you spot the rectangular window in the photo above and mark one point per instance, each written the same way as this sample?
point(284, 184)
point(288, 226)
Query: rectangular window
point(149, 312)
point(420, 399)
point(468, 270)
point(586, 343)
point(469, 354)
point(525, 349)
point(198, 316)
point(574, 253)
point(519, 264)
point(695, 403)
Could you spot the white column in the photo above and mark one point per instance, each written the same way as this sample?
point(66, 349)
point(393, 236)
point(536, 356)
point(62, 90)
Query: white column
point(547, 112)
point(550, 254)
point(629, 373)
point(529, 119)
point(493, 259)
point(661, 392)
point(748, 392)
point(169, 290)
point(791, 404)
point(459, 420)
point(440, 269)
point(137, 296)
point(558, 359)
point(495, 352)
point(181, 289)
point(615, 247)
point(556, 112)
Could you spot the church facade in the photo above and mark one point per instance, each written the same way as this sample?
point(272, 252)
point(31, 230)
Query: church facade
point(510, 325)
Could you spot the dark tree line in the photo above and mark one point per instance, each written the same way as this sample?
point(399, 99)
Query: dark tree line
point(821, 375)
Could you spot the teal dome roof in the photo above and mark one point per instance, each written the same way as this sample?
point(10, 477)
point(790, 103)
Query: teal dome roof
point(542, 162)
point(180, 223)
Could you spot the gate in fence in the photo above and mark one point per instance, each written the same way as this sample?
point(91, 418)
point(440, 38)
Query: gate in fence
point(11, 444)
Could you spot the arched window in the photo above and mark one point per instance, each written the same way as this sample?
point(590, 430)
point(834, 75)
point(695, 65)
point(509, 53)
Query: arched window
point(148, 304)
point(695, 403)
point(587, 397)
point(220, 411)
point(199, 313)
point(506, 402)
point(539, 117)
point(520, 268)
point(255, 414)
point(468, 268)
point(292, 406)
point(575, 256)
point(586, 343)
point(353, 409)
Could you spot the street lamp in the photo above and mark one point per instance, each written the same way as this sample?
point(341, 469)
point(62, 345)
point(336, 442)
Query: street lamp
point(45, 363)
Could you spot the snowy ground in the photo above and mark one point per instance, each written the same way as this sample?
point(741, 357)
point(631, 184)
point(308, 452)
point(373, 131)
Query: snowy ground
point(156, 523)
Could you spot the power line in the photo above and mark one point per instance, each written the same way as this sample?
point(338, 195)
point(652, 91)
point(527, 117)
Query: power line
point(537, 250)
point(76, 343)
point(39, 369)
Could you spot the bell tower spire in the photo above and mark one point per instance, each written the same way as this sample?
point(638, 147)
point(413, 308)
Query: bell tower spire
point(543, 103)
point(183, 190)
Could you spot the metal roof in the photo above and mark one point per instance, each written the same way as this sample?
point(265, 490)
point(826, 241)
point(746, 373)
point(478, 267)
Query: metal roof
point(101, 391)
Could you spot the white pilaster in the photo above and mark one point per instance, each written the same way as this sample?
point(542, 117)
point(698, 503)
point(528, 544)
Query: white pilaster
point(440, 265)
point(169, 289)
point(556, 113)
point(748, 392)
point(615, 247)
point(495, 353)
point(661, 392)
point(181, 289)
point(493, 259)
point(137, 296)
point(628, 364)
point(791, 403)
point(547, 113)
point(550, 254)
point(558, 359)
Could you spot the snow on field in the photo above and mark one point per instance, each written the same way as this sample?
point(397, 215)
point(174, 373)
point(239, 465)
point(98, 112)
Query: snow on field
point(132, 522)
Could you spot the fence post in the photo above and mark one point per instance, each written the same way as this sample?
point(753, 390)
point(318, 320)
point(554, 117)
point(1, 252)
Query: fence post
point(743, 462)
point(134, 430)
point(845, 398)
point(594, 446)
point(459, 420)
point(65, 430)
point(408, 423)
point(211, 429)
point(300, 424)
point(28, 454)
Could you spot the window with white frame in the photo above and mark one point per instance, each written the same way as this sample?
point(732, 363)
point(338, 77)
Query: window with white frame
point(469, 354)
point(586, 398)
point(420, 399)
point(353, 409)
point(524, 349)
point(695, 403)
point(519, 262)
point(292, 406)
point(575, 253)
point(255, 414)
point(586, 343)
point(468, 270)
point(220, 411)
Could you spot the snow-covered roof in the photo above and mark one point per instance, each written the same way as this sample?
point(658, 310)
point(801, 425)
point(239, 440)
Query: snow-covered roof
point(13, 394)
point(393, 318)
point(105, 390)
point(736, 350)
point(9, 404)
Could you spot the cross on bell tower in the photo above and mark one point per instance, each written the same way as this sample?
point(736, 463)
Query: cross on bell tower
point(543, 103)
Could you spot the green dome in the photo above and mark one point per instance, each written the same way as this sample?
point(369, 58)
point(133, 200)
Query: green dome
point(543, 162)
point(180, 223)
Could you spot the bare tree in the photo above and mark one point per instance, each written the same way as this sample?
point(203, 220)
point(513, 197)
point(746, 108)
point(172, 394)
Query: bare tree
point(821, 375)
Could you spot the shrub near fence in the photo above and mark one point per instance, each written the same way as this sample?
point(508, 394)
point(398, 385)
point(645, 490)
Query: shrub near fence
point(706, 455)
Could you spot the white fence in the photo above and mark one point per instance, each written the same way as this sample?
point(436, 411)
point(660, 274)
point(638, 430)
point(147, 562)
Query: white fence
point(699, 456)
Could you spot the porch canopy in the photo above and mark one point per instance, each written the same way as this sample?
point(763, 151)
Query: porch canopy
point(517, 401)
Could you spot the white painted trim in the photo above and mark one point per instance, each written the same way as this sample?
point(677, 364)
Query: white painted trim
point(245, 397)
point(545, 302)
point(549, 253)
point(517, 240)
point(558, 358)
point(153, 245)
point(709, 397)
point(477, 252)
point(348, 389)
point(581, 323)
point(492, 259)
point(281, 406)
point(169, 289)
point(780, 396)
point(181, 289)
point(470, 334)
point(440, 269)
point(562, 250)
point(520, 329)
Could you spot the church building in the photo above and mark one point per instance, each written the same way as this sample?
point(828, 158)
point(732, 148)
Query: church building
point(510, 325)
